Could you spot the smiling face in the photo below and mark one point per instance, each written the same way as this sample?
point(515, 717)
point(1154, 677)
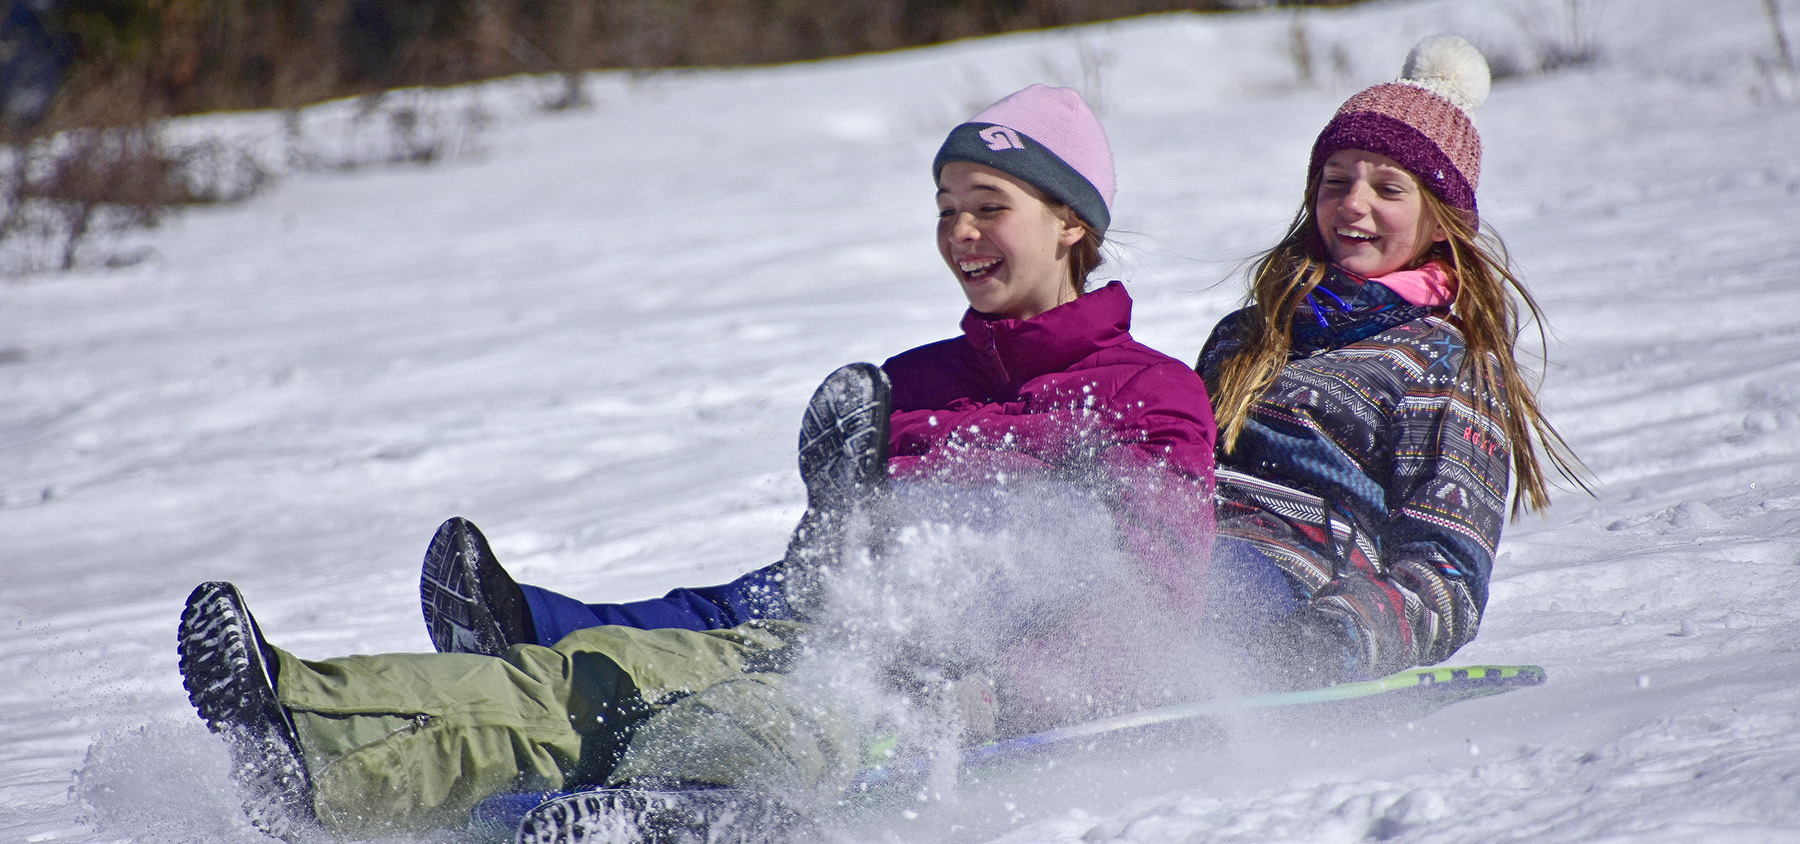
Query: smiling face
point(1007, 247)
point(1371, 214)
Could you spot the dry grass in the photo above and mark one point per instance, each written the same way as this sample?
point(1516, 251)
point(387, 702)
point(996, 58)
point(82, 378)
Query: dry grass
point(97, 165)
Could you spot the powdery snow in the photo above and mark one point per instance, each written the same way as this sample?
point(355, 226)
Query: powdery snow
point(595, 338)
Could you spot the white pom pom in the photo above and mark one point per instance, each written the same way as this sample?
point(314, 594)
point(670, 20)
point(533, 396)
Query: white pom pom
point(1451, 67)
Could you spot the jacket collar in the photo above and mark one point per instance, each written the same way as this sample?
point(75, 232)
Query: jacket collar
point(1054, 340)
point(1346, 308)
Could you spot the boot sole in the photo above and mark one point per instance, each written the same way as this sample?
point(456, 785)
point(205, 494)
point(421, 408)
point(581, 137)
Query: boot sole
point(844, 436)
point(639, 816)
point(232, 687)
point(450, 593)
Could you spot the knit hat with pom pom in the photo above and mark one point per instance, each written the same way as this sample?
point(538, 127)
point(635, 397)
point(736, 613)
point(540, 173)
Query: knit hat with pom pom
point(1046, 137)
point(1421, 121)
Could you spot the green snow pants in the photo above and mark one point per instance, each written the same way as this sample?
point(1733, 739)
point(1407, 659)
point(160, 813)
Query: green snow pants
point(405, 742)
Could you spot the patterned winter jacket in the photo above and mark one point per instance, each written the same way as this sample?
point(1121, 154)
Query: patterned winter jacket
point(1372, 471)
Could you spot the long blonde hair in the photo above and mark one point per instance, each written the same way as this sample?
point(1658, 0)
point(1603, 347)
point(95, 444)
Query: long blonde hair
point(1484, 310)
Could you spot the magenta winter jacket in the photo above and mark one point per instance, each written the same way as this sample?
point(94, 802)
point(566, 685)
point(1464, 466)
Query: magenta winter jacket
point(1069, 394)
point(1065, 389)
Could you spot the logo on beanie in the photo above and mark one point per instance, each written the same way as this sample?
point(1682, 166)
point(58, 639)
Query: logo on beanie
point(1001, 138)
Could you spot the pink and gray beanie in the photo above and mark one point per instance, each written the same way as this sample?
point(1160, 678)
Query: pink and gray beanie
point(1046, 137)
point(1422, 121)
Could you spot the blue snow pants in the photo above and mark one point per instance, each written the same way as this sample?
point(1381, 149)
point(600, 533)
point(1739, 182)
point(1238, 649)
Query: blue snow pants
point(757, 595)
point(1248, 592)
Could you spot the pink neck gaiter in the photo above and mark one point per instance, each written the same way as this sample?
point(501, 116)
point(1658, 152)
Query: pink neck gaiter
point(1430, 286)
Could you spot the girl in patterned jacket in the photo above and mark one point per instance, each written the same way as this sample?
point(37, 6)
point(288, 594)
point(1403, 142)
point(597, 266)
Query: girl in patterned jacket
point(1371, 410)
point(541, 692)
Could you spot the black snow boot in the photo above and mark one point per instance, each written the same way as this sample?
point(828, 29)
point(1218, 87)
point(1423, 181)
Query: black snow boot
point(230, 680)
point(666, 816)
point(471, 604)
point(844, 437)
point(843, 461)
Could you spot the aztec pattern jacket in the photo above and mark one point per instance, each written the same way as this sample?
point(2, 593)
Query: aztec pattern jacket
point(1372, 471)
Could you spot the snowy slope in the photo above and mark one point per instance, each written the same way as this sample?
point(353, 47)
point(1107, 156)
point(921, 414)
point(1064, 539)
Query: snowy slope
point(595, 339)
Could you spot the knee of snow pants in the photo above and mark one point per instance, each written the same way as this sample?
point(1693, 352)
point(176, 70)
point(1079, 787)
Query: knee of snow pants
point(770, 732)
point(404, 742)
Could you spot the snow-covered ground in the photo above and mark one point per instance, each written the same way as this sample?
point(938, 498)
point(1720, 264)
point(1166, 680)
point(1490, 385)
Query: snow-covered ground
point(595, 340)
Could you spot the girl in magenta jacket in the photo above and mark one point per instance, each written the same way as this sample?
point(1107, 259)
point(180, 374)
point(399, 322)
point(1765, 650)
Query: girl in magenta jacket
point(1045, 384)
point(1045, 381)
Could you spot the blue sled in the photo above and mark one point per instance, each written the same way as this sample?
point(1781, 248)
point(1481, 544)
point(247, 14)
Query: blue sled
point(1415, 690)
